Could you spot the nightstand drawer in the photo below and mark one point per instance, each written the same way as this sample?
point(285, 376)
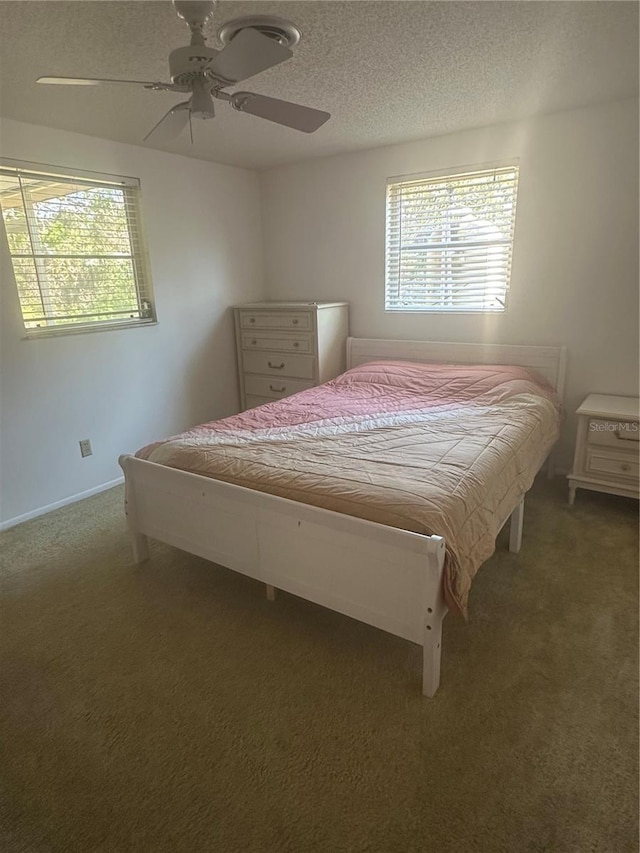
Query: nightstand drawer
point(258, 341)
point(622, 435)
point(606, 457)
point(275, 387)
point(277, 364)
point(275, 320)
point(604, 463)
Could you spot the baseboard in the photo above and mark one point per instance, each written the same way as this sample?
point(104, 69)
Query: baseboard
point(43, 510)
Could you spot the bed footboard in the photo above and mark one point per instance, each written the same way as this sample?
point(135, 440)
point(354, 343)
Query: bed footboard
point(383, 576)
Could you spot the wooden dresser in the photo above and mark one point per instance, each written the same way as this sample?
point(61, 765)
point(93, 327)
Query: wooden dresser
point(285, 347)
point(607, 446)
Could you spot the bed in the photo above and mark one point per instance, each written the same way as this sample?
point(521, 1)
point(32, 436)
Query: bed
point(378, 494)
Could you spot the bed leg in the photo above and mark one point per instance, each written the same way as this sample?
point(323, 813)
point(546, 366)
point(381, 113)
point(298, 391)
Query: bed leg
point(515, 531)
point(551, 466)
point(139, 542)
point(271, 592)
point(431, 653)
point(140, 546)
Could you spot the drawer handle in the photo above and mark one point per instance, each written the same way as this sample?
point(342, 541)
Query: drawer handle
point(278, 390)
point(252, 320)
point(296, 344)
point(622, 437)
point(254, 342)
point(276, 366)
point(295, 321)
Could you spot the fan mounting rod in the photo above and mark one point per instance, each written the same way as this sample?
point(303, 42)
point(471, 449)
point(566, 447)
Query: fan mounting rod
point(195, 13)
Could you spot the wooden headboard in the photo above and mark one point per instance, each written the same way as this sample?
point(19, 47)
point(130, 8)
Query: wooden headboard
point(549, 362)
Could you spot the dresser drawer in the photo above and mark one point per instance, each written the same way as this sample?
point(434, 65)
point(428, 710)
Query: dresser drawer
point(277, 364)
point(605, 463)
point(622, 435)
point(274, 387)
point(275, 320)
point(264, 341)
point(286, 347)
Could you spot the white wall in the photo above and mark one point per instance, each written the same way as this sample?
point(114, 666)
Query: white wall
point(122, 389)
point(575, 281)
point(575, 263)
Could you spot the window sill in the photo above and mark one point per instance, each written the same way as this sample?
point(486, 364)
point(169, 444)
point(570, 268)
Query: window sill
point(64, 331)
point(438, 311)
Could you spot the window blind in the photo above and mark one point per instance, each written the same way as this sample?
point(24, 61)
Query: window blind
point(449, 241)
point(77, 250)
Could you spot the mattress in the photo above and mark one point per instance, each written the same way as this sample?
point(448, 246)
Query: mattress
point(431, 448)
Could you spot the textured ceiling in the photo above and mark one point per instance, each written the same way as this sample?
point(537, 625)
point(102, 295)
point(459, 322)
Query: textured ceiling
point(387, 71)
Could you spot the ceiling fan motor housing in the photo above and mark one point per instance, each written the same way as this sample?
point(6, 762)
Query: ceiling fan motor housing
point(188, 63)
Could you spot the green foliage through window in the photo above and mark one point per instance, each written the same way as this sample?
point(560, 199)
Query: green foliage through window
point(76, 249)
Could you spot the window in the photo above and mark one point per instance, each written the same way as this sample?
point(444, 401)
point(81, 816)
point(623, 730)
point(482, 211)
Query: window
point(77, 249)
point(449, 241)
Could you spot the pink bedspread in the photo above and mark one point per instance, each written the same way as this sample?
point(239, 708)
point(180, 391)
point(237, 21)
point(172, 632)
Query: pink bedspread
point(443, 449)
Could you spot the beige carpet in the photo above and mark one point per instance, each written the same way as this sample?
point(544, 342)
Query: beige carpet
point(169, 707)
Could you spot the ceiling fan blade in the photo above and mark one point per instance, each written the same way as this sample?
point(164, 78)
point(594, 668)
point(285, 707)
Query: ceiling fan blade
point(296, 116)
point(249, 53)
point(89, 81)
point(171, 124)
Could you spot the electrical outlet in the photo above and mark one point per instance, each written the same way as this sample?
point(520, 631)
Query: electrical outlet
point(85, 447)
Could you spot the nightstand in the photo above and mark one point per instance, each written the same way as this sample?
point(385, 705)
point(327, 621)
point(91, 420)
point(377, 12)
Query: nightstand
point(607, 444)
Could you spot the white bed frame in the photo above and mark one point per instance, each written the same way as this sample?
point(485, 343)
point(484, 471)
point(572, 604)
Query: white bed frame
point(384, 576)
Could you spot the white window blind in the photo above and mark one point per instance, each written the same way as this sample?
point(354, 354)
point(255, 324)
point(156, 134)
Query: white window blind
point(77, 250)
point(449, 241)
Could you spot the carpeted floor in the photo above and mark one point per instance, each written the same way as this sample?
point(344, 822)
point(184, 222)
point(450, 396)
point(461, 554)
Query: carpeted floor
point(170, 707)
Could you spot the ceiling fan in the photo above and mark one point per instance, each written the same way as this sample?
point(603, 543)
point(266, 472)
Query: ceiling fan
point(250, 45)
